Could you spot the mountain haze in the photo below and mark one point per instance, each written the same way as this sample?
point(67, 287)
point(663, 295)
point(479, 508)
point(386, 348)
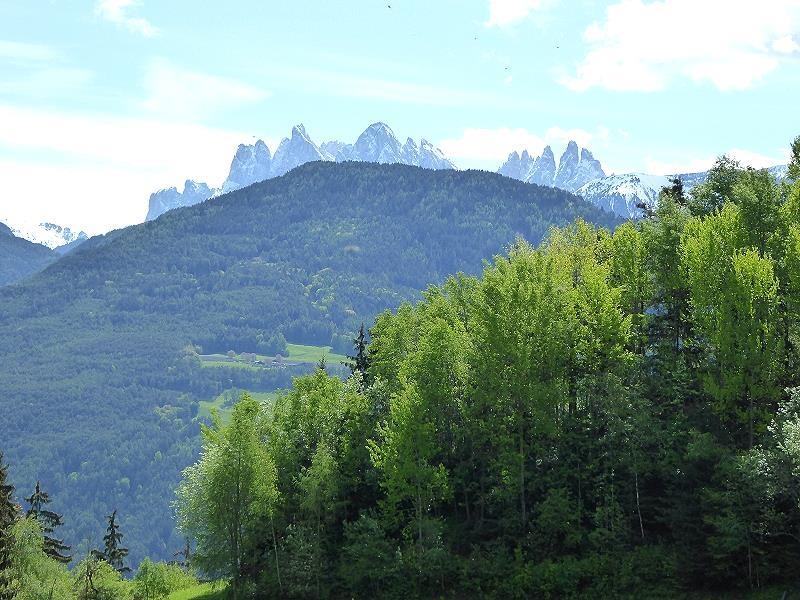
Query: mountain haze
point(20, 258)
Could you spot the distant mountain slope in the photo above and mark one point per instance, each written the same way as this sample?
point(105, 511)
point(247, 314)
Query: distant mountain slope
point(624, 194)
point(47, 234)
point(254, 162)
point(20, 258)
point(99, 378)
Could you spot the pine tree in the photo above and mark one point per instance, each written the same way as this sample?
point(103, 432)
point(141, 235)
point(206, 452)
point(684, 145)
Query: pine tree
point(113, 554)
point(48, 520)
point(8, 514)
point(360, 362)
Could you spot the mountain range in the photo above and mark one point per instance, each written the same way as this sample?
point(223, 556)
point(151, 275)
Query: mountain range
point(576, 171)
point(255, 162)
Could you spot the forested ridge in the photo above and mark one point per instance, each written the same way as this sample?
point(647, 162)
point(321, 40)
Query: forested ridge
point(611, 414)
point(20, 258)
point(99, 359)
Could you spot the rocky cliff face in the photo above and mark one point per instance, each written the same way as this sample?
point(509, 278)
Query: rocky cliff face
point(163, 200)
point(250, 164)
point(575, 168)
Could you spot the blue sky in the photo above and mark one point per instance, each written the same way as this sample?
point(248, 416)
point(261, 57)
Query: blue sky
point(104, 101)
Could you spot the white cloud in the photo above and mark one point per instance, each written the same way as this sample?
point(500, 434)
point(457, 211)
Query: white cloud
point(176, 92)
point(95, 172)
point(489, 148)
point(507, 12)
point(643, 46)
point(117, 12)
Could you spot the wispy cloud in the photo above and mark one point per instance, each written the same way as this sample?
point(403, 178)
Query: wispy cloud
point(173, 91)
point(365, 87)
point(24, 52)
point(643, 46)
point(508, 12)
point(118, 12)
point(35, 71)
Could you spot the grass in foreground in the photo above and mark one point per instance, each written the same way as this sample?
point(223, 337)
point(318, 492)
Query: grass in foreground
point(204, 591)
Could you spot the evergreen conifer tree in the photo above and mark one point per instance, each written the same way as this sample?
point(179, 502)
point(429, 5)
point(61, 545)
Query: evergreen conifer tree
point(8, 514)
point(113, 553)
point(360, 362)
point(48, 520)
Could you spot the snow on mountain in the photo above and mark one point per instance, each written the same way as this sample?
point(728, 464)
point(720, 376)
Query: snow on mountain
point(47, 234)
point(621, 194)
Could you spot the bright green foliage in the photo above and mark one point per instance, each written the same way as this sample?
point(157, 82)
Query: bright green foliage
point(606, 415)
point(225, 495)
point(32, 574)
point(794, 162)
point(95, 579)
point(734, 300)
point(718, 188)
point(152, 581)
point(628, 256)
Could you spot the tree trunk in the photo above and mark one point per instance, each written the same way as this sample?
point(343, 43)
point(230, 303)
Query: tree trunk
point(275, 548)
point(638, 507)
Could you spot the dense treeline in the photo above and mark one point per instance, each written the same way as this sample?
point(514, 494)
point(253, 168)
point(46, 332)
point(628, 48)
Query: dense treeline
point(99, 394)
point(607, 414)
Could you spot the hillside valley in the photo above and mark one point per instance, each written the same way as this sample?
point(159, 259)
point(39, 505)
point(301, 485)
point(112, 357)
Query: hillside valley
point(101, 372)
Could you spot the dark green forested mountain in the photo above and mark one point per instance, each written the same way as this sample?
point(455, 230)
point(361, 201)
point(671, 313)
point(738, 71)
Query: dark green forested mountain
point(20, 258)
point(98, 364)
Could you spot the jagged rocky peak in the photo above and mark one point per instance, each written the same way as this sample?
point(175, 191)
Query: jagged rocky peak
point(410, 153)
point(251, 163)
point(567, 166)
point(430, 157)
point(193, 193)
point(377, 144)
point(338, 150)
point(576, 168)
point(295, 151)
point(543, 171)
point(517, 166)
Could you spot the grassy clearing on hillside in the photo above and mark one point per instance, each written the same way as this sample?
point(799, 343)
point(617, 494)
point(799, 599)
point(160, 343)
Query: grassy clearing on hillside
point(204, 591)
point(312, 354)
point(225, 401)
